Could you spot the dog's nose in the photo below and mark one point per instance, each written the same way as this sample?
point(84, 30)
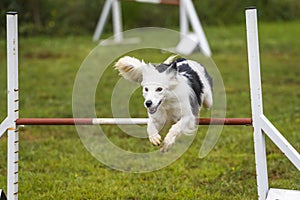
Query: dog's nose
point(148, 103)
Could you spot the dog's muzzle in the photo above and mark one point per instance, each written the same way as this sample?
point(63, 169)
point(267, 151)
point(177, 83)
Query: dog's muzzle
point(151, 109)
point(148, 103)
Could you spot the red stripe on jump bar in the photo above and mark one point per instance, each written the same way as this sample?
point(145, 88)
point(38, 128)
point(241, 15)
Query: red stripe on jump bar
point(168, 2)
point(225, 121)
point(90, 121)
point(54, 121)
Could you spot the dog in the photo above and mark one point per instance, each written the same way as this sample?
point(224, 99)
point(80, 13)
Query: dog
point(174, 92)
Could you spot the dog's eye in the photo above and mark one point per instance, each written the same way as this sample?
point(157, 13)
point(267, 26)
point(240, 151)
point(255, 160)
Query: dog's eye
point(146, 89)
point(159, 89)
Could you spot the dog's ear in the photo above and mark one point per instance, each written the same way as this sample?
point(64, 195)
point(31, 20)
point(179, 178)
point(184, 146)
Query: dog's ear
point(172, 72)
point(173, 69)
point(130, 68)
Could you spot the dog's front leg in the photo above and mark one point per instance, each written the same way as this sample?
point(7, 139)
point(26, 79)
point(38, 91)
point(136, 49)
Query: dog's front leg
point(152, 131)
point(184, 125)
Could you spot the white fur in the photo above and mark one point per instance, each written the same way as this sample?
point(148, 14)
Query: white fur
point(169, 93)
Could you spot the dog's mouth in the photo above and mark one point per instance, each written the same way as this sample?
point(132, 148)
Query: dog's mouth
point(153, 109)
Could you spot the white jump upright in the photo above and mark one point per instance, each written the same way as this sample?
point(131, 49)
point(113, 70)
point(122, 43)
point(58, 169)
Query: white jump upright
point(262, 126)
point(189, 40)
point(9, 123)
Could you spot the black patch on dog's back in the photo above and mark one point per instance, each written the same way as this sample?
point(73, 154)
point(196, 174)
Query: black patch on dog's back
point(182, 67)
point(192, 76)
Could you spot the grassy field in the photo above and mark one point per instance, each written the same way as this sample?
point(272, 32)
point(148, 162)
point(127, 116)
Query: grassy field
point(54, 164)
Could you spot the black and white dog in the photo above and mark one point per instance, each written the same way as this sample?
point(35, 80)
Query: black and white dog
point(174, 91)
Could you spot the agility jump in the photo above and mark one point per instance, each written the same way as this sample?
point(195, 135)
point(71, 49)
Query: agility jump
point(189, 41)
point(261, 125)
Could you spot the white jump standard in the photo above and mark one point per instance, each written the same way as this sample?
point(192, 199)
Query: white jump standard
point(9, 123)
point(262, 126)
point(189, 41)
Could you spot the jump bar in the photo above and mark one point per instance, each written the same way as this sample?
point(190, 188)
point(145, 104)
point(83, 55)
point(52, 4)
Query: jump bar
point(123, 121)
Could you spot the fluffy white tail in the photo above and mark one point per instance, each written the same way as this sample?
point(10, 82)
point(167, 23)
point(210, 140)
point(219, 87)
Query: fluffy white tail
point(170, 59)
point(130, 68)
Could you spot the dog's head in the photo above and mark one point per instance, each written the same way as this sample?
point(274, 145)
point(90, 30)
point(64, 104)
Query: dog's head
point(154, 95)
point(157, 80)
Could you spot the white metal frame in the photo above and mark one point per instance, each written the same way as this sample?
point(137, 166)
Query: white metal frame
point(262, 126)
point(9, 123)
point(188, 15)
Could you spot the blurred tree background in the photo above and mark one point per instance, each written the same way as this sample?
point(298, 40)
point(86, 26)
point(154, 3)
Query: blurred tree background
point(57, 17)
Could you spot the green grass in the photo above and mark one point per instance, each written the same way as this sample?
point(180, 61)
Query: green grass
point(54, 164)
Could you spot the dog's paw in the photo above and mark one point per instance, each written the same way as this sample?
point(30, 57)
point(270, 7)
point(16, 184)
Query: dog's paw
point(155, 139)
point(167, 144)
point(165, 147)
